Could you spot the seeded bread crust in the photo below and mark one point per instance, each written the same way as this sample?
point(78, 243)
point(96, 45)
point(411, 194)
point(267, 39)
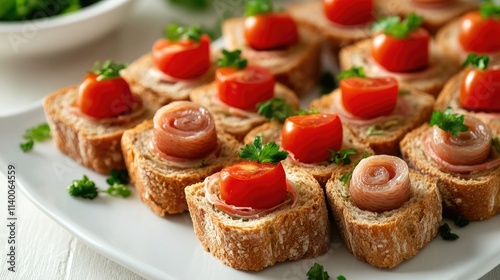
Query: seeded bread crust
point(297, 68)
point(430, 80)
point(420, 107)
point(234, 124)
point(159, 185)
point(386, 239)
point(475, 196)
point(284, 234)
point(271, 132)
point(94, 144)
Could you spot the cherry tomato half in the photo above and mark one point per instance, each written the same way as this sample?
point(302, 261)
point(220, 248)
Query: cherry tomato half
point(270, 31)
point(106, 98)
point(252, 184)
point(402, 55)
point(310, 137)
point(184, 59)
point(479, 34)
point(369, 98)
point(244, 88)
point(480, 90)
point(349, 12)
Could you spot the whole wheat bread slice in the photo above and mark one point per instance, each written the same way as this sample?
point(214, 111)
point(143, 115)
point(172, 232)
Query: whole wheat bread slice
point(288, 233)
point(386, 239)
point(474, 196)
point(159, 185)
point(92, 143)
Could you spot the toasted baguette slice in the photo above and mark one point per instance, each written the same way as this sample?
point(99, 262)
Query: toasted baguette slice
point(388, 238)
point(159, 185)
point(288, 233)
point(434, 17)
point(228, 119)
point(92, 143)
point(449, 97)
point(143, 77)
point(297, 67)
point(419, 109)
point(474, 196)
point(430, 80)
point(271, 132)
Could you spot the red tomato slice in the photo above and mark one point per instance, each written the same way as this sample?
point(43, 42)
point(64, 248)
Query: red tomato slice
point(182, 60)
point(349, 12)
point(402, 55)
point(244, 88)
point(252, 184)
point(479, 34)
point(369, 98)
point(310, 137)
point(106, 98)
point(480, 90)
point(270, 31)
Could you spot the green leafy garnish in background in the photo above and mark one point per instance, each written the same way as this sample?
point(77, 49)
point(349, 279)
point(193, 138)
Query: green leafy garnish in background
point(446, 234)
point(489, 9)
point(317, 272)
point(453, 123)
point(353, 72)
point(192, 4)
point(342, 156)
point(18, 10)
point(86, 188)
point(37, 133)
point(277, 109)
point(477, 61)
point(257, 7)
point(232, 59)
point(176, 32)
point(108, 70)
point(83, 188)
point(460, 221)
point(269, 153)
point(393, 25)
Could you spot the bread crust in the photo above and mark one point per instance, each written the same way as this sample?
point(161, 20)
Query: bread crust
point(430, 80)
point(475, 196)
point(420, 106)
point(159, 185)
point(284, 234)
point(93, 144)
point(386, 239)
point(271, 132)
point(298, 67)
point(236, 125)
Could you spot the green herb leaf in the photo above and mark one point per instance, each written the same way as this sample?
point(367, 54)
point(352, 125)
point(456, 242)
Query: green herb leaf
point(446, 234)
point(477, 61)
point(175, 32)
point(393, 25)
point(83, 188)
point(269, 153)
point(358, 72)
point(232, 59)
point(341, 277)
point(461, 221)
point(489, 9)
point(495, 143)
point(403, 92)
point(380, 128)
point(342, 156)
point(453, 123)
point(317, 272)
point(118, 189)
point(276, 109)
point(118, 177)
point(257, 7)
point(108, 70)
point(327, 82)
point(34, 134)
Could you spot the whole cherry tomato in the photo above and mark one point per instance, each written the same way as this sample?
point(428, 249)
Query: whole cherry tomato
point(244, 88)
point(479, 34)
point(184, 59)
point(270, 31)
point(369, 97)
point(308, 138)
point(252, 184)
point(402, 55)
point(480, 90)
point(105, 98)
point(349, 12)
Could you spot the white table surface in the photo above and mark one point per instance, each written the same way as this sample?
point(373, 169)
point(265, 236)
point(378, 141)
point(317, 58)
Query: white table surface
point(46, 250)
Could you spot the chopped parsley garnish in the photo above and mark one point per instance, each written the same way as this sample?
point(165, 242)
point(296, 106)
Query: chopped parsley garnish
point(257, 7)
point(118, 176)
point(37, 133)
point(317, 272)
point(477, 61)
point(453, 123)
point(346, 177)
point(83, 188)
point(380, 128)
point(489, 9)
point(460, 221)
point(175, 32)
point(327, 82)
point(342, 156)
point(393, 25)
point(86, 188)
point(118, 190)
point(446, 234)
point(269, 153)
point(108, 70)
point(277, 109)
point(353, 72)
point(232, 59)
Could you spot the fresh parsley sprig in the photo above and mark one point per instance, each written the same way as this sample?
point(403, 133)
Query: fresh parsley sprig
point(86, 188)
point(453, 123)
point(346, 177)
point(489, 9)
point(257, 7)
point(277, 109)
point(83, 188)
point(380, 128)
point(176, 32)
point(342, 156)
point(352, 72)
point(108, 70)
point(446, 234)
point(477, 61)
point(118, 176)
point(269, 153)
point(393, 25)
point(232, 59)
point(34, 134)
point(461, 221)
point(317, 272)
